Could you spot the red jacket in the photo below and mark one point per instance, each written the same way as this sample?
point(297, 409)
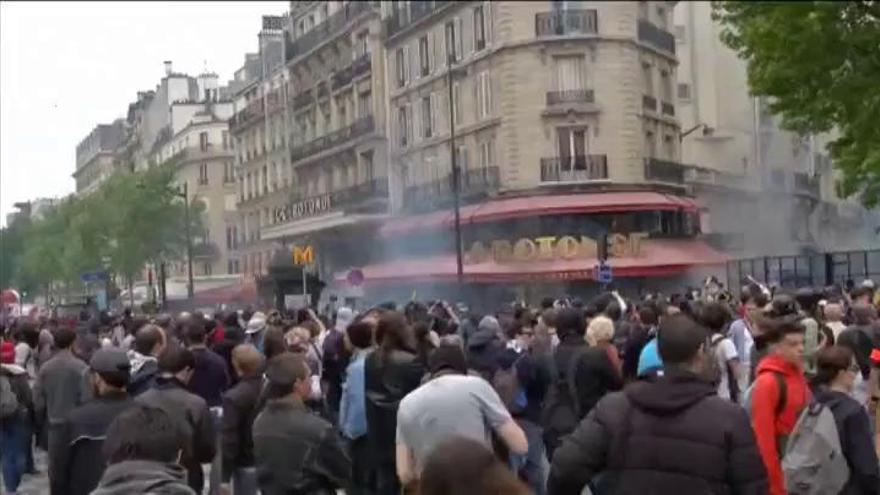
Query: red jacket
point(767, 425)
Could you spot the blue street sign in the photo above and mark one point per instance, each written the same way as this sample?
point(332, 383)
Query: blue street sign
point(93, 276)
point(604, 275)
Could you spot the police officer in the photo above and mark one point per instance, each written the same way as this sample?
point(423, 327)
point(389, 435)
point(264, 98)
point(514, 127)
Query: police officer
point(78, 456)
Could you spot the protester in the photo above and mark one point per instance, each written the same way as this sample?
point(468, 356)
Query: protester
point(640, 335)
point(352, 408)
point(597, 369)
point(334, 360)
point(189, 411)
point(559, 416)
point(143, 447)
point(26, 338)
point(295, 451)
point(210, 378)
point(715, 317)
point(484, 346)
point(78, 462)
point(451, 404)
point(149, 343)
point(779, 393)
point(668, 436)
point(462, 465)
point(233, 335)
point(256, 326)
point(59, 388)
point(833, 313)
point(239, 411)
point(390, 373)
point(15, 417)
point(743, 330)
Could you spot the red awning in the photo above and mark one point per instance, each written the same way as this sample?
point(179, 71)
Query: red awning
point(530, 206)
point(243, 291)
point(660, 257)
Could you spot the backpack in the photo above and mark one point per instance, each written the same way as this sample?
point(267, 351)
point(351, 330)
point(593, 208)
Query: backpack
point(783, 395)
point(8, 400)
point(813, 463)
point(506, 383)
point(732, 385)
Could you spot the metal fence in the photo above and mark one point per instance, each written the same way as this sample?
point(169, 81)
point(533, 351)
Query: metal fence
point(815, 270)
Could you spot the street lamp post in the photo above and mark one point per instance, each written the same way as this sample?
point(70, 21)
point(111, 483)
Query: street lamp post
point(456, 174)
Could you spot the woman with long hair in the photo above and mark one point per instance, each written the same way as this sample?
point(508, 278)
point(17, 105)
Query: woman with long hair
point(460, 465)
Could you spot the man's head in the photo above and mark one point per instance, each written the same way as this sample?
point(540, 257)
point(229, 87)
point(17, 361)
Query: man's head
point(143, 433)
point(570, 321)
point(520, 333)
point(288, 376)
point(177, 362)
point(149, 341)
point(448, 359)
point(648, 314)
point(864, 314)
point(833, 311)
point(714, 316)
point(64, 337)
point(861, 295)
point(247, 360)
point(785, 337)
point(359, 335)
point(195, 333)
point(110, 371)
point(681, 343)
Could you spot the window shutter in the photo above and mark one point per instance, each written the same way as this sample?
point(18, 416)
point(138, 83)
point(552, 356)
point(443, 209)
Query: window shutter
point(438, 52)
point(435, 116)
point(406, 66)
point(459, 38)
point(487, 98)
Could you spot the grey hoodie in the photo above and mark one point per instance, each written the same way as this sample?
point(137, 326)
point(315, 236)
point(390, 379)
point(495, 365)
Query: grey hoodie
point(139, 476)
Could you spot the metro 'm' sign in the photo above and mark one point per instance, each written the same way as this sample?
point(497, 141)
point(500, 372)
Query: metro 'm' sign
point(303, 255)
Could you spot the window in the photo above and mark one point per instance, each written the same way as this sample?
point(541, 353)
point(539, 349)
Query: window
point(487, 153)
point(424, 58)
point(367, 163)
point(274, 176)
point(203, 174)
point(402, 126)
point(456, 102)
point(341, 114)
point(228, 172)
point(365, 104)
point(650, 145)
point(647, 80)
point(265, 179)
point(363, 47)
point(661, 16)
point(479, 28)
point(572, 145)
point(684, 91)
point(669, 146)
point(484, 95)
point(665, 86)
point(225, 137)
point(569, 73)
point(461, 157)
point(452, 53)
point(402, 56)
point(249, 186)
point(206, 269)
point(427, 117)
point(203, 141)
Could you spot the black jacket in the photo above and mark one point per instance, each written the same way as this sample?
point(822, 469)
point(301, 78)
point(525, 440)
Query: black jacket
point(534, 375)
point(484, 348)
point(210, 377)
point(559, 416)
point(144, 378)
point(298, 453)
point(79, 460)
point(190, 414)
point(671, 436)
point(18, 381)
point(239, 411)
point(594, 377)
point(387, 380)
point(856, 440)
point(139, 476)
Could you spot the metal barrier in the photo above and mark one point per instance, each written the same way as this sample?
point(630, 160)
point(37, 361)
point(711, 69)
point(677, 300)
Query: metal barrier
point(816, 270)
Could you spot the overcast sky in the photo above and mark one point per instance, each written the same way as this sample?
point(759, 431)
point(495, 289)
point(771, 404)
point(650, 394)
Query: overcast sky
point(66, 67)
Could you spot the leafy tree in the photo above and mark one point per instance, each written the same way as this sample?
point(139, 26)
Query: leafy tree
point(819, 62)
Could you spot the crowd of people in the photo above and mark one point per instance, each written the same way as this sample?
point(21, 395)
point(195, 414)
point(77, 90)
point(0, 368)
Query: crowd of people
point(699, 393)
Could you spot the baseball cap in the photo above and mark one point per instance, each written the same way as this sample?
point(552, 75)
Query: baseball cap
point(255, 324)
point(284, 369)
point(109, 361)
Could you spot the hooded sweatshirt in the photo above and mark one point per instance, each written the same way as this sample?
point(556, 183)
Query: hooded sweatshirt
point(769, 427)
point(143, 372)
point(484, 347)
point(137, 476)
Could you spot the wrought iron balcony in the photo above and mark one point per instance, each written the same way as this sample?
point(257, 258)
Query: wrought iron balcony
point(667, 108)
point(439, 193)
point(664, 171)
point(655, 36)
point(649, 103)
point(327, 30)
point(580, 168)
point(250, 113)
point(323, 92)
point(303, 99)
point(400, 20)
point(342, 77)
point(361, 65)
point(570, 96)
point(360, 127)
point(564, 22)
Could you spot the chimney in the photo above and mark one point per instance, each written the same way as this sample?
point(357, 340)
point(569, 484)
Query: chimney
point(167, 67)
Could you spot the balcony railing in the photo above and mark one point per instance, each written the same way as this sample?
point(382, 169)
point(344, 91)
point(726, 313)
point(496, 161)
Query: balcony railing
point(664, 171)
point(194, 153)
point(358, 128)
point(653, 35)
point(649, 103)
point(361, 65)
point(581, 168)
point(563, 22)
point(342, 77)
point(330, 28)
point(323, 92)
point(250, 113)
point(570, 96)
point(205, 250)
point(438, 193)
point(667, 108)
point(402, 19)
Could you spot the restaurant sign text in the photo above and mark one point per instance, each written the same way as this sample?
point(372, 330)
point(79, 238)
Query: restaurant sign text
point(552, 248)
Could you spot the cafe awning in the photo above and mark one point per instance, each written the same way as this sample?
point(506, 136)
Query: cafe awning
point(531, 206)
point(659, 257)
